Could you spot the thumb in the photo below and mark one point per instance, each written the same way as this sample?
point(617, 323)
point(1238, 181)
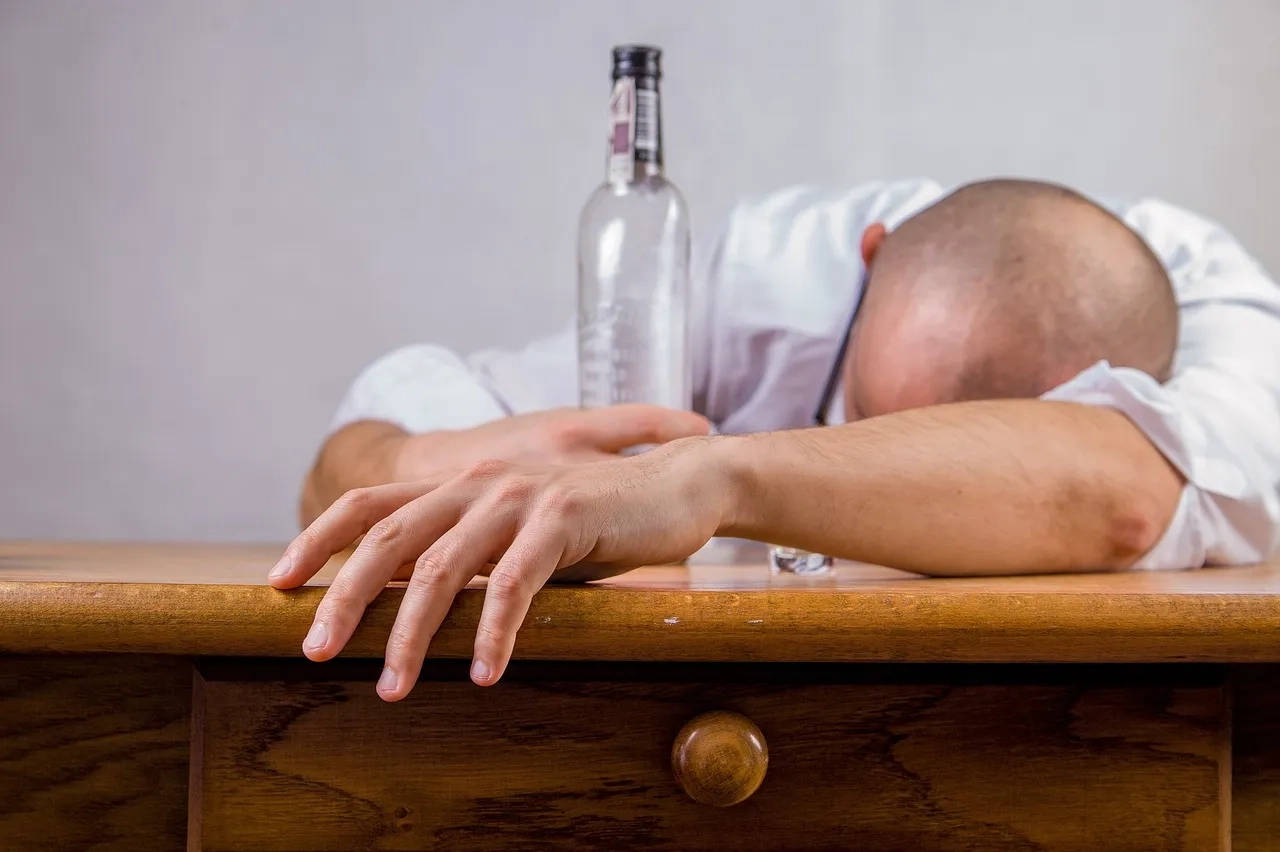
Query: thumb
point(620, 426)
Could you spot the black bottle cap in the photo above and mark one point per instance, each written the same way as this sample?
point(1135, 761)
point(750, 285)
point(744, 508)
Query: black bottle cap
point(637, 60)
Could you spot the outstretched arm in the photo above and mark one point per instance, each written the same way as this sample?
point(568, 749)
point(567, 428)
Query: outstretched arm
point(982, 487)
point(991, 487)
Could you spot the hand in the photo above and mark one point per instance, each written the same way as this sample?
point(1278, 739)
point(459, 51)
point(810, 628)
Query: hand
point(560, 435)
point(533, 520)
point(373, 452)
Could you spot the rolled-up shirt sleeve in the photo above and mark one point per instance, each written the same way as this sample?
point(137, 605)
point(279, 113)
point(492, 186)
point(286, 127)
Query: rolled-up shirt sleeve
point(425, 387)
point(1217, 419)
point(420, 388)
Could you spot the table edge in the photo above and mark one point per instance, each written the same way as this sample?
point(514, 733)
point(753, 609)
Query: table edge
point(927, 624)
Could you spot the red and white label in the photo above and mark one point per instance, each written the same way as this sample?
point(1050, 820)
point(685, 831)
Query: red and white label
point(622, 130)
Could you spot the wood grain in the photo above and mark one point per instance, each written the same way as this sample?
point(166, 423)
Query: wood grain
point(719, 758)
point(557, 761)
point(712, 613)
point(1255, 808)
point(93, 752)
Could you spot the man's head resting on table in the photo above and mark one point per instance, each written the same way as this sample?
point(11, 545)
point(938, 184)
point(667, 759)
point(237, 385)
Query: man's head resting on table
point(1004, 288)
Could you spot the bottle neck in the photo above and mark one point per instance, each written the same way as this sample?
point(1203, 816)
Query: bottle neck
point(635, 129)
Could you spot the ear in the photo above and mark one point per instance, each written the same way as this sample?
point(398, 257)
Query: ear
point(872, 237)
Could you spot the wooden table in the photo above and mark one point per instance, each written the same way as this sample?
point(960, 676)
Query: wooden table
point(155, 695)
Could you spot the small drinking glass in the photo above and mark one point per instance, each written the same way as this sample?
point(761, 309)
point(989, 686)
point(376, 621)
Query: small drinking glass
point(789, 560)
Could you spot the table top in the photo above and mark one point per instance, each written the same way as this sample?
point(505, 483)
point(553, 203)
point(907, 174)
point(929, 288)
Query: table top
point(205, 599)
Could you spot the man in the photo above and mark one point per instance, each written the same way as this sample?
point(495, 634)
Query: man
point(1029, 385)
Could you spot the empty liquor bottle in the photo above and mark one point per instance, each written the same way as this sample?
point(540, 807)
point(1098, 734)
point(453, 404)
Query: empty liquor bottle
point(633, 255)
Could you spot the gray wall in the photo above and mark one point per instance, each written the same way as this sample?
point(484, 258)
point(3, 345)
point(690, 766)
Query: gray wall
point(212, 214)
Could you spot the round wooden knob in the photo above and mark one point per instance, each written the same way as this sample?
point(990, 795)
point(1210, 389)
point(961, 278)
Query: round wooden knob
point(719, 758)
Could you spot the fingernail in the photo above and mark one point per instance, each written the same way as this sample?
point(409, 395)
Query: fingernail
point(282, 567)
point(317, 636)
point(387, 680)
point(480, 670)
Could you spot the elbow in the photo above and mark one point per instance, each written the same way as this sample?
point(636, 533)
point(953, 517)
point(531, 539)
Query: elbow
point(1131, 526)
point(1133, 493)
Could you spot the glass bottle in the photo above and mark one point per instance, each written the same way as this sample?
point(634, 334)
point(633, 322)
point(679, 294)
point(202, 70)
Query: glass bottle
point(633, 255)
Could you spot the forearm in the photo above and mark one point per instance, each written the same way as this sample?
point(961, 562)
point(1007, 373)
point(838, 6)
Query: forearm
point(993, 487)
point(358, 455)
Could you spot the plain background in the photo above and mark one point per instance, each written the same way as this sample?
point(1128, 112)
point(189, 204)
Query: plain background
point(212, 214)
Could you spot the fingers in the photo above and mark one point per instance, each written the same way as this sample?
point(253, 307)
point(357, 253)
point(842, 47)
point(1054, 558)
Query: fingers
point(437, 578)
point(400, 537)
point(350, 517)
point(620, 426)
point(522, 570)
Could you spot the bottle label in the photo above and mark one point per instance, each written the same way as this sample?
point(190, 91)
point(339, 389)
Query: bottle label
point(622, 130)
point(646, 125)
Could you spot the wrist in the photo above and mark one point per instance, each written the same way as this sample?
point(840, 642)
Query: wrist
point(731, 476)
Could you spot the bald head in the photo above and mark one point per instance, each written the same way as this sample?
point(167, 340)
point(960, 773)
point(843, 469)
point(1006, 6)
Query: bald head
point(1004, 288)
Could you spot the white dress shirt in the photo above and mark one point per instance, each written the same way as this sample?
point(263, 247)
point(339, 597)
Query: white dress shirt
point(771, 304)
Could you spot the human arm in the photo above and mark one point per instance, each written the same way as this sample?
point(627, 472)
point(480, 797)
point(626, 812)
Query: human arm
point(421, 409)
point(983, 487)
point(989, 487)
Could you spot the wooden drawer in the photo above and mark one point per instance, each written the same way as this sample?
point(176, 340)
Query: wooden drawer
point(567, 756)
